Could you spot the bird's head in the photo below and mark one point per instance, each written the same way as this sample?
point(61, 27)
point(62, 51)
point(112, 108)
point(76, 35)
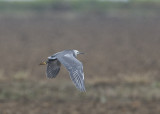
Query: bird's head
point(76, 52)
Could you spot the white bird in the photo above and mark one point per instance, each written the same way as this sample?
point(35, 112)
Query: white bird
point(73, 65)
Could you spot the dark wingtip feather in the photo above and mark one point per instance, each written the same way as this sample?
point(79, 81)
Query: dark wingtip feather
point(53, 69)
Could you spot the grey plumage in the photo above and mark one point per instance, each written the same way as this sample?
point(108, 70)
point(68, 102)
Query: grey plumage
point(53, 68)
point(73, 65)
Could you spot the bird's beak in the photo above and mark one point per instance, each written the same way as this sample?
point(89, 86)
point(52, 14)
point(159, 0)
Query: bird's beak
point(43, 63)
point(81, 53)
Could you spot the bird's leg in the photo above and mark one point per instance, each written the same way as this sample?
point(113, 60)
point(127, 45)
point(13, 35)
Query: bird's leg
point(43, 63)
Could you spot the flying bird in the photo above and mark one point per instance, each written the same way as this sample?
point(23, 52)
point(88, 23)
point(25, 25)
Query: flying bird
point(73, 65)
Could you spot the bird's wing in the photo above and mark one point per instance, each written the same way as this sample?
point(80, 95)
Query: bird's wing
point(75, 69)
point(53, 68)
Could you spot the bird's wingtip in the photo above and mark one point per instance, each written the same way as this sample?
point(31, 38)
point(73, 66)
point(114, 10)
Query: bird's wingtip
point(83, 90)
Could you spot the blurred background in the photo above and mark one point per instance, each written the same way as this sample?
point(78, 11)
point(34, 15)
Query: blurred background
point(121, 41)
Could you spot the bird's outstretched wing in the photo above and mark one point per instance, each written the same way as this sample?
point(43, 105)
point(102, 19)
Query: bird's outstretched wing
point(53, 68)
point(75, 69)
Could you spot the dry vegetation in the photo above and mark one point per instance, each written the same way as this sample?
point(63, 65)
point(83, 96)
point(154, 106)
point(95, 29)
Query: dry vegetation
point(121, 63)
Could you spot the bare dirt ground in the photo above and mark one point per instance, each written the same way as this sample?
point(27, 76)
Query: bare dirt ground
point(121, 63)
